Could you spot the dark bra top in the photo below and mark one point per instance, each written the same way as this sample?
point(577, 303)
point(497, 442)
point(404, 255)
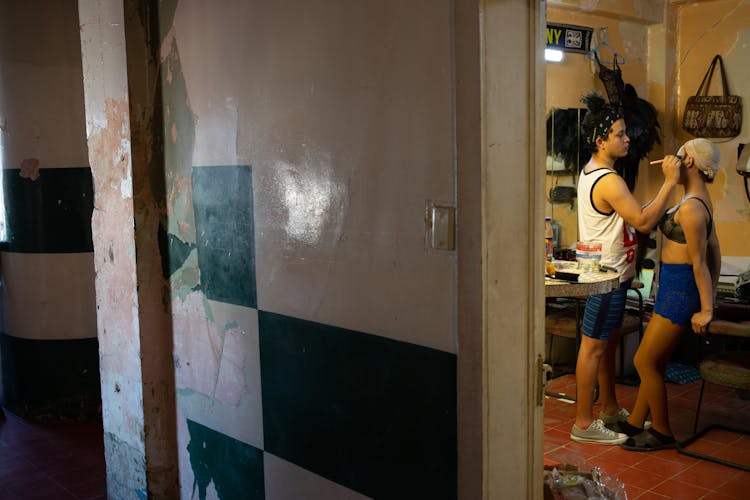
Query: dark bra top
point(673, 231)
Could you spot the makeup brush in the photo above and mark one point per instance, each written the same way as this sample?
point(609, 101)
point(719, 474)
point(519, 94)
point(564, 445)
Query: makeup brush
point(657, 162)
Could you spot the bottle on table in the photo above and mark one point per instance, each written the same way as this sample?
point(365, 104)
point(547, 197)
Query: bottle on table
point(549, 235)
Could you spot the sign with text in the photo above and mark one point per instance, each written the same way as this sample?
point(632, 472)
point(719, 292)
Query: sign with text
point(569, 38)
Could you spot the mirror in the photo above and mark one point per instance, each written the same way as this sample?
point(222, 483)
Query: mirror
point(566, 156)
point(566, 150)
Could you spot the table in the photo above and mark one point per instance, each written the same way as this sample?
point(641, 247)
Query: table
point(599, 283)
point(730, 328)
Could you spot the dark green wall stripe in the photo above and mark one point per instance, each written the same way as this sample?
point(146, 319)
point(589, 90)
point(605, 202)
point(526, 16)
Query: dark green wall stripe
point(51, 214)
point(223, 205)
point(235, 468)
point(51, 378)
point(370, 413)
point(178, 252)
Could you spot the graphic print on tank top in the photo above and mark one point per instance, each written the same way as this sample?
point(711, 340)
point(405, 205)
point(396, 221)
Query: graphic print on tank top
point(629, 241)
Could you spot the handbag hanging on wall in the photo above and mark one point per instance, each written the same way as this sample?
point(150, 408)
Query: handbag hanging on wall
point(717, 116)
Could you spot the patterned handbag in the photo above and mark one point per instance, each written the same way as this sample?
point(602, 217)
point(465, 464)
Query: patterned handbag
point(713, 115)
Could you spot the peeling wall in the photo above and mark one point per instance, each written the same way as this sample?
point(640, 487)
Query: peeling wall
point(704, 30)
point(318, 159)
point(109, 148)
point(299, 162)
point(642, 11)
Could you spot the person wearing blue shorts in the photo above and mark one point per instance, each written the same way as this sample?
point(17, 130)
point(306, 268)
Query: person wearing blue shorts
point(604, 312)
point(609, 214)
point(689, 274)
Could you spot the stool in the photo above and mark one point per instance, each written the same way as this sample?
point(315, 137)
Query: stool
point(728, 369)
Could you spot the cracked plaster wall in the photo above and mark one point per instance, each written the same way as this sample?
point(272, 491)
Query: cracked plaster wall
point(702, 31)
point(644, 11)
point(346, 141)
point(108, 132)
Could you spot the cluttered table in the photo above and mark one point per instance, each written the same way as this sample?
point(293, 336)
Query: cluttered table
point(575, 282)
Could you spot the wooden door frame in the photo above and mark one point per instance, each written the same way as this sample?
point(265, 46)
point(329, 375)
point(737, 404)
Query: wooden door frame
point(500, 96)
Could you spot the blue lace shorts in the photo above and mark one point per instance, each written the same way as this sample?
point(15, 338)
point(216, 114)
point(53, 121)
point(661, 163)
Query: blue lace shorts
point(678, 298)
point(604, 312)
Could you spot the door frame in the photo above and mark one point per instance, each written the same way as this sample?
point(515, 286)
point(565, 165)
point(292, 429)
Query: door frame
point(500, 99)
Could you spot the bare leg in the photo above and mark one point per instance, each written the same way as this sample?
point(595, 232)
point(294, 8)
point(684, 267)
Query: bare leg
point(606, 375)
point(587, 366)
point(650, 360)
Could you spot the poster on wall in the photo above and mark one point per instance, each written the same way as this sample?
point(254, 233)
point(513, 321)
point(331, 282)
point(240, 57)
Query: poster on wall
point(569, 38)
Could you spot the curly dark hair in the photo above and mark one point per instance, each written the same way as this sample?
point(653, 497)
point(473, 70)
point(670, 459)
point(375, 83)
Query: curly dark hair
point(599, 118)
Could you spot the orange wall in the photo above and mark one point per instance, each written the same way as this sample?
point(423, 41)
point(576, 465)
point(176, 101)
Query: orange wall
point(704, 30)
point(665, 63)
point(575, 76)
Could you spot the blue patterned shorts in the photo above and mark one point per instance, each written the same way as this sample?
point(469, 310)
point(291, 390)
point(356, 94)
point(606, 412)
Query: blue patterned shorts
point(678, 298)
point(604, 312)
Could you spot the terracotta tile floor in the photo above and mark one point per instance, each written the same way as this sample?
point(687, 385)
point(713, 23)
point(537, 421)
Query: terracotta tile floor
point(666, 473)
point(60, 461)
point(65, 461)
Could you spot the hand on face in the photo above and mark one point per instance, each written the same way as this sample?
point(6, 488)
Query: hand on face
point(670, 167)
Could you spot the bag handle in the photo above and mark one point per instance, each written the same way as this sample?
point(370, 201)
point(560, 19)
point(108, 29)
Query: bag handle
point(706, 83)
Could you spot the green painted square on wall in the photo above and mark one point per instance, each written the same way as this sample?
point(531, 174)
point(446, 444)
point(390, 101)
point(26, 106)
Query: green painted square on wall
point(224, 231)
point(234, 468)
point(373, 414)
point(51, 214)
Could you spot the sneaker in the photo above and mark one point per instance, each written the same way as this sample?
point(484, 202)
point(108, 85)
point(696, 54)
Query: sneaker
point(620, 416)
point(597, 433)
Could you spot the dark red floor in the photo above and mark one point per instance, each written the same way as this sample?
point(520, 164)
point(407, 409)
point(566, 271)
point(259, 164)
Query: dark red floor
point(666, 473)
point(56, 461)
point(65, 461)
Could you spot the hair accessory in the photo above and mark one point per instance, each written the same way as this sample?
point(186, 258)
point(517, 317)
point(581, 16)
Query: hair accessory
point(602, 116)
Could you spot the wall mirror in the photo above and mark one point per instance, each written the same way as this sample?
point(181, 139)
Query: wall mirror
point(566, 152)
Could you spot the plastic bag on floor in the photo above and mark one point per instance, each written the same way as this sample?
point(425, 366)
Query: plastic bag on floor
point(569, 482)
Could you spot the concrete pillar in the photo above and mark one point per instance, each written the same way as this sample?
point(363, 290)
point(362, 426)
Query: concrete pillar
point(120, 75)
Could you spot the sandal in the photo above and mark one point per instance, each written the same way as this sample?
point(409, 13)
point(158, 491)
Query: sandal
point(649, 440)
point(625, 428)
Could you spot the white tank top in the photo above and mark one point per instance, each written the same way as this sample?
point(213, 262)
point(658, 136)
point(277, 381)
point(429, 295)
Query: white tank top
point(617, 237)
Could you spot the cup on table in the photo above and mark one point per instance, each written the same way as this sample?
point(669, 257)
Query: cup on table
point(588, 255)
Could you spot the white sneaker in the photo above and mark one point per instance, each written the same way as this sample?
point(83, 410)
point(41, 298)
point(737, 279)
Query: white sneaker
point(620, 416)
point(597, 433)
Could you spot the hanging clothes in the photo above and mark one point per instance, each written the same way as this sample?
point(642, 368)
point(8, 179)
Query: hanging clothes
point(612, 79)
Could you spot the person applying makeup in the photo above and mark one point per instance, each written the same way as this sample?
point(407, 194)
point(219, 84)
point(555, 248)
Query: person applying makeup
point(608, 213)
point(688, 277)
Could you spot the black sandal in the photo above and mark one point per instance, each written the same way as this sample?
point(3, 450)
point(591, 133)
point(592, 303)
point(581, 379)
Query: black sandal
point(624, 427)
point(649, 440)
